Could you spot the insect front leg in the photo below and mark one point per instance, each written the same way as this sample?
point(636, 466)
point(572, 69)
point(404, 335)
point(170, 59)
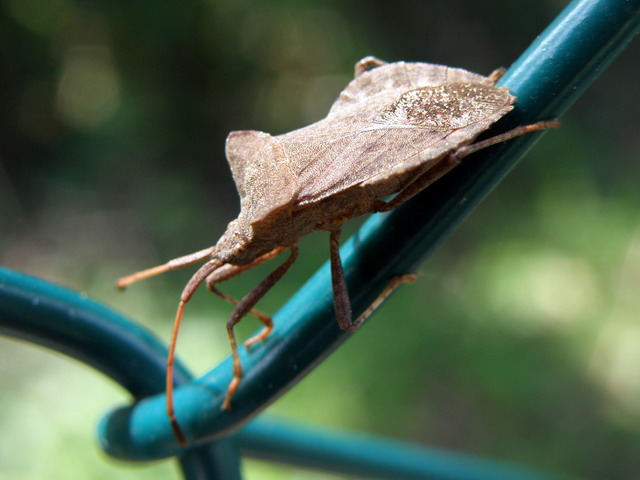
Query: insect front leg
point(190, 288)
point(229, 271)
point(341, 301)
point(243, 307)
point(263, 317)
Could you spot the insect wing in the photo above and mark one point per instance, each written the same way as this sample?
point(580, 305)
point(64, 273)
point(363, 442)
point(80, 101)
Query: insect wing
point(388, 121)
point(417, 128)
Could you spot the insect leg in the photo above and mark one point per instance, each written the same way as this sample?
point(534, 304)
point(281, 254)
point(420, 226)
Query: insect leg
point(503, 137)
point(263, 317)
point(366, 64)
point(417, 185)
point(229, 271)
point(496, 75)
point(453, 159)
point(174, 264)
point(341, 294)
point(191, 287)
point(388, 290)
point(341, 302)
point(242, 308)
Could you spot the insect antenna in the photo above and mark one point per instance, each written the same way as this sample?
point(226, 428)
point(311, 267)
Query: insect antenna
point(200, 276)
point(174, 264)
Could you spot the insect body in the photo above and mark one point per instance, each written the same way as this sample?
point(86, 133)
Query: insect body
point(395, 129)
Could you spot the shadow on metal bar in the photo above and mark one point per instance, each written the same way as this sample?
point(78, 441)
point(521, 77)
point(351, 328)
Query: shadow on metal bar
point(563, 61)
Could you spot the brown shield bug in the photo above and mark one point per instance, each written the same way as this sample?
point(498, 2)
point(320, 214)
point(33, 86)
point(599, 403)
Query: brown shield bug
point(395, 129)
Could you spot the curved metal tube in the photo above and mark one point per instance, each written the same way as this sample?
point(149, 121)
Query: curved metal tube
point(548, 77)
point(562, 62)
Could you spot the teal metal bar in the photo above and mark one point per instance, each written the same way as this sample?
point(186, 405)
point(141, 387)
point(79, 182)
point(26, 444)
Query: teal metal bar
point(548, 77)
point(368, 456)
point(559, 65)
point(70, 323)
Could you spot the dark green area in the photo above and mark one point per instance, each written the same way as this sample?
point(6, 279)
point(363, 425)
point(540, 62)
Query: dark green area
point(517, 342)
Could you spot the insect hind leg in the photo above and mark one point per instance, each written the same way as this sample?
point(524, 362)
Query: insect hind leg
point(453, 159)
point(462, 152)
point(445, 165)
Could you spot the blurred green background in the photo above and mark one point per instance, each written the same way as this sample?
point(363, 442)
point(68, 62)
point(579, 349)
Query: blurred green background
point(520, 341)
